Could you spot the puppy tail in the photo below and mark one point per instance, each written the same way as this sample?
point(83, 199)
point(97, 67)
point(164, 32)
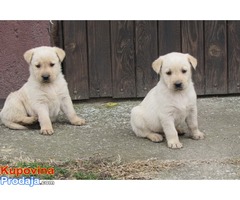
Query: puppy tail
point(13, 125)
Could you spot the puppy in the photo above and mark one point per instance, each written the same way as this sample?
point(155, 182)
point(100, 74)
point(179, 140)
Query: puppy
point(43, 95)
point(170, 103)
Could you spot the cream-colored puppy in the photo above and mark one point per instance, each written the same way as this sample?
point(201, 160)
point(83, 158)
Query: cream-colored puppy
point(170, 103)
point(43, 95)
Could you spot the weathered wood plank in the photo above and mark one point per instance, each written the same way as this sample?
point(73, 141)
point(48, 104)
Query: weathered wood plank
point(169, 35)
point(56, 33)
point(123, 66)
point(76, 65)
point(234, 56)
point(146, 53)
point(216, 57)
point(193, 43)
point(100, 70)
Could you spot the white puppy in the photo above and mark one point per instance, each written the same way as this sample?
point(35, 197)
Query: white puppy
point(170, 103)
point(43, 95)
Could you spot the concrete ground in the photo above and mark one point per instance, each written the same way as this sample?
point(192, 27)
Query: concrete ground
point(108, 134)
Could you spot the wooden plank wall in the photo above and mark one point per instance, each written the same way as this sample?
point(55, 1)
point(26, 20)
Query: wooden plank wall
point(233, 50)
point(76, 62)
point(146, 49)
point(99, 59)
point(123, 58)
point(215, 57)
point(193, 43)
point(113, 58)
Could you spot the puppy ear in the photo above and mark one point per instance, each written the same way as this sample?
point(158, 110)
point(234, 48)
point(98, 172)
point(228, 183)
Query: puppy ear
point(60, 53)
point(157, 64)
point(28, 55)
point(192, 60)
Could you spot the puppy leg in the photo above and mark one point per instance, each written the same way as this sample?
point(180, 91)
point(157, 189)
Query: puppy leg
point(139, 126)
point(154, 137)
point(19, 124)
point(44, 120)
point(67, 108)
point(14, 115)
point(27, 120)
point(193, 125)
point(171, 134)
point(13, 125)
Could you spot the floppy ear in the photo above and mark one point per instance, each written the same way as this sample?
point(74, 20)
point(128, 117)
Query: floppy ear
point(157, 64)
point(28, 55)
point(60, 53)
point(192, 60)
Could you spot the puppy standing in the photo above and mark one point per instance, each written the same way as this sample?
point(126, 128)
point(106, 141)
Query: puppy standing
point(170, 103)
point(43, 95)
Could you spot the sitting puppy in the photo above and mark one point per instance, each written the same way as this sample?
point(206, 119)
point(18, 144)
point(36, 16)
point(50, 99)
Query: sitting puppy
point(43, 95)
point(170, 103)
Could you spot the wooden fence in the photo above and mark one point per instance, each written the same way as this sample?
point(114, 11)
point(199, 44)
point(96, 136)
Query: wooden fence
point(113, 58)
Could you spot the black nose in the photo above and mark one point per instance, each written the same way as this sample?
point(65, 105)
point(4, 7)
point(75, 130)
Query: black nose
point(45, 77)
point(178, 85)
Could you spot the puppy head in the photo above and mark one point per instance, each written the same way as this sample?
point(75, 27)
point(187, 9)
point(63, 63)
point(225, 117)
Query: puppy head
point(45, 63)
point(175, 69)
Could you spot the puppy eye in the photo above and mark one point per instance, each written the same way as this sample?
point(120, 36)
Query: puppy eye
point(52, 64)
point(38, 66)
point(169, 73)
point(184, 71)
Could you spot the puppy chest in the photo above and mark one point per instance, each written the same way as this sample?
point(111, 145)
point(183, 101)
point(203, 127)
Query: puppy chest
point(54, 104)
point(180, 113)
point(52, 100)
point(179, 116)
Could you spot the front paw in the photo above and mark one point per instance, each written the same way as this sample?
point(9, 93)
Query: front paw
point(198, 135)
point(175, 144)
point(46, 131)
point(78, 121)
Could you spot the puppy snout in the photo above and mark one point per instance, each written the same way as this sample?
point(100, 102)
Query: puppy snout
point(178, 85)
point(45, 77)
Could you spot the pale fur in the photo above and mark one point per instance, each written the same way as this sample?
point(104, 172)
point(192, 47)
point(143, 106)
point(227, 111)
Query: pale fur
point(39, 100)
point(165, 108)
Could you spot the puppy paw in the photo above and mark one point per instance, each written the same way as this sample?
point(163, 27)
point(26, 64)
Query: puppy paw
point(46, 131)
point(198, 135)
point(154, 137)
point(78, 121)
point(175, 144)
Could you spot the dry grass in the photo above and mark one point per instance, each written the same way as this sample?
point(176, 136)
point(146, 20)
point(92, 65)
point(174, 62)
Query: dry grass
point(97, 168)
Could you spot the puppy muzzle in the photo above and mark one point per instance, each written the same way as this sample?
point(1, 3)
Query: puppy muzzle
point(178, 85)
point(46, 78)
